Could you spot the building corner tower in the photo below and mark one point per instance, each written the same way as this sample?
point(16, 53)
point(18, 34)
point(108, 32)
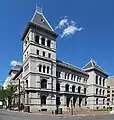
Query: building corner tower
point(39, 64)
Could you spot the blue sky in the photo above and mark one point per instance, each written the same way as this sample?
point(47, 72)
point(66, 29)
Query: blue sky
point(95, 41)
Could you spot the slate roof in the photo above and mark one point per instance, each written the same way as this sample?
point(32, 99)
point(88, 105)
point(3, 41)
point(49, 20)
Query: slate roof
point(93, 65)
point(39, 20)
point(72, 67)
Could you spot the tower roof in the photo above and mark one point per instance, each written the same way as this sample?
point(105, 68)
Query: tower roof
point(39, 20)
point(93, 65)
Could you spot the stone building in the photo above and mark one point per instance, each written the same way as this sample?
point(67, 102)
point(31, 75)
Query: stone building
point(49, 83)
point(110, 92)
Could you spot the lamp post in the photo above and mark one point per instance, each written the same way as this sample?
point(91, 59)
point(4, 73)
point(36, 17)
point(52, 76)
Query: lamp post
point(71, 108)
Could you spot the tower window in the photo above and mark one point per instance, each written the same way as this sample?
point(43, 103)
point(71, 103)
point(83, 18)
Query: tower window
point(47, 69)
point(49, 55)
point(43, 54)
point(48, 43)
point(37, 39)
point(43, 100)
point(40, 68)
point(43, 41)
point(37, 52)
point(44, 67)
point(44, 83)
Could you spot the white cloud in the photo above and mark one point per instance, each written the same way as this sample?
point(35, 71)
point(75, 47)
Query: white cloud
point(14, 63)
point(62, 23)
point(67, 27)
point(70, 30)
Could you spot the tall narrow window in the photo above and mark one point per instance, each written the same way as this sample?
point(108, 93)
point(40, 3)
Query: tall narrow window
point(97, 101)
point(96, 90)
point(103, 92)
point(65, 75)
point(48, 43)
point(100, 91)
point(47, 69)
point(57, 86)
point(43, 41)
point(44, 67)
point(37, 39)
point(43, 100)
point(44, 83)
point(104, 82)
point(100, 80)
point(73, 88)
point(84, 90)
point(71, 77)
point(49, 55)
point(67, 88)
point(79, 89)
point(43, 54)
point(40, 68)
point(37, 52)
point(96, 79)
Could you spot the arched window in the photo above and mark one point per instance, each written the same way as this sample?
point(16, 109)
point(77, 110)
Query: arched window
point(73, 88)
point(84, 90)
point(48, 43)
point(43, 100)
point(47, 69)
point(79, 89)
point(43, 41)
point(44, 83)
point(103, 92)
point(97, 101)
point(67, 88)
point(96, 90)
point(40, 68)
point(103, 101)
point(100, 91)
point(37, 39)
point(100, 80)
point(58, 87)
point(44, 67)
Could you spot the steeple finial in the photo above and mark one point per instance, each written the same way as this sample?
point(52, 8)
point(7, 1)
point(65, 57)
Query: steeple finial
point(39, 9)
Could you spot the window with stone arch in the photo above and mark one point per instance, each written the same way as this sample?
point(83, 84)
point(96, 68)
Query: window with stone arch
point(84, 90)
point(43, 100)
point(43, 41)
point(73, 88)
point(79, 89)
point(96, 90)
point(44, 83)
point(40, 68)
point(48, 43)
point(44, 69)
point(96, 101)
point(103, 92)
point(67, 88)
point(37, 39)
point(100, 91)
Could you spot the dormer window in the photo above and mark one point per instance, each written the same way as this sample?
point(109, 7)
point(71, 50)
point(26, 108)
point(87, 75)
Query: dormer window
point(42, 20)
